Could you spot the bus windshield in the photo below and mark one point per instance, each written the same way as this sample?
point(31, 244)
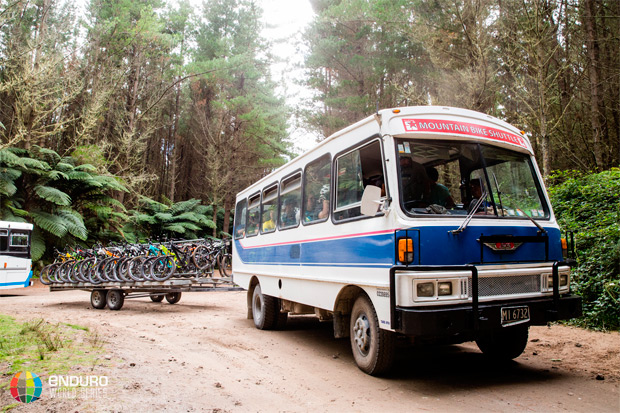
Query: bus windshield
point(448, 178)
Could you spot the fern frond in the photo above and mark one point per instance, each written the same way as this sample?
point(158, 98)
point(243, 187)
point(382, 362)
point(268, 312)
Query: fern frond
point(53, 224)
point(188, 205)
point(53, 195)
point(37, 245)
point(179, 229)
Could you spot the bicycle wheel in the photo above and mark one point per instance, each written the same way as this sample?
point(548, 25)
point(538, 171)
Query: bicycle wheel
point(47, 273)
point(86, 267)
point(135, 268)
point(162, 268)
point(225, 265)
point(62, 273)
point(94, 275)
point(122, 269)
point(201, 257)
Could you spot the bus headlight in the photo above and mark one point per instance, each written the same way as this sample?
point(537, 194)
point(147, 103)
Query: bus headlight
point(426, 289)
point(444, 288)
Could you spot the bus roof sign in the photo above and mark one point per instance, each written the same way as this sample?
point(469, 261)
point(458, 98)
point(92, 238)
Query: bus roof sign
point(462, 128)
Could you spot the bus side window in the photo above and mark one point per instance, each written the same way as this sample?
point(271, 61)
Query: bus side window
point(355, 170)
point(253, 215)
point(240, 218)
point(290, 197)
point(269, 209)
point(317, 178)
point(4, 239)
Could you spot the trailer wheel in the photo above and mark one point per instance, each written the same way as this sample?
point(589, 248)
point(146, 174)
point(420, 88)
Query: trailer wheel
point(157, 298)
point(373, 348)
point(264, 310)
point(98, 299)
point(115, 299)
point(173, 298)
point(503, 344)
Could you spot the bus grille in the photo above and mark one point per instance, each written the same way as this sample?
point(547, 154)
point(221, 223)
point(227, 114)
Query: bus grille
point(507, 285)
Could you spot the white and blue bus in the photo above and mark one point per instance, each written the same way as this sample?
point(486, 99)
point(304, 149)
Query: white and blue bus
point(15, 263)
point(427, 222)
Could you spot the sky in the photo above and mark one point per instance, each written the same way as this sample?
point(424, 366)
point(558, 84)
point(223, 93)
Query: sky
point(284, 22)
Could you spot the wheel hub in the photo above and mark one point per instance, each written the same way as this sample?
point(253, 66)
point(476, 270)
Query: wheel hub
point(361, 333)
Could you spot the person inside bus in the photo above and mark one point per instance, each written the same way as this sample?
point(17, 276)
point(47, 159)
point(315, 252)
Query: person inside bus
point(438, 194)
point(475, 187)
point(289, 213)
point(317, 208)
point(270, 224)
point(415, 182)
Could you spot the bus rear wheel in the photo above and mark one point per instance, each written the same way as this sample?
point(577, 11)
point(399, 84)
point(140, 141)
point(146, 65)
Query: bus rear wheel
point(264, 309)
point(373, 348)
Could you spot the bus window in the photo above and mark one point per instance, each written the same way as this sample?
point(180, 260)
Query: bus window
point(357, 169)
point(19, 240)
point(4, 239)
point(253, 215)
point(290, 197)
point(316, 190)
point(269, 209)
point(240, 217)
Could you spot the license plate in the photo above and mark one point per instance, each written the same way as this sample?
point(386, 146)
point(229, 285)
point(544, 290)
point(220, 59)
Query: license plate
point(515, 315)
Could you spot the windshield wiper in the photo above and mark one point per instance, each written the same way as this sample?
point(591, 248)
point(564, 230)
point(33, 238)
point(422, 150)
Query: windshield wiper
point(544, 231)
point(470, 214)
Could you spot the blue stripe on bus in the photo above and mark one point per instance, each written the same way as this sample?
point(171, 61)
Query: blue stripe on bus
point(433, 246)
point(18, 283)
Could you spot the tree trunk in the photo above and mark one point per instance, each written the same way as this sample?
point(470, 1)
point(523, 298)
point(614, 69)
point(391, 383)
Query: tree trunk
point(594, 72)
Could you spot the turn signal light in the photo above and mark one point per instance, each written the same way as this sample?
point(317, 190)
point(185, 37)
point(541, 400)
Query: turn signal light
point(405, 250)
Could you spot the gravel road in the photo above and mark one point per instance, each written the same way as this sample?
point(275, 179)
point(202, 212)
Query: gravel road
point(202, 354)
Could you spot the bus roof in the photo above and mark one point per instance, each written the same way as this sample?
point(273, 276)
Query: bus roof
point(16, 225)
point(426, 122)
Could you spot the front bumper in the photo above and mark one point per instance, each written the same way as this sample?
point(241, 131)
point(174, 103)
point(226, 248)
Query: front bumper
point(443, 321)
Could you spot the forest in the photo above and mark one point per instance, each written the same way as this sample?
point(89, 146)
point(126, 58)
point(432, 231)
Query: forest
point(135, 119)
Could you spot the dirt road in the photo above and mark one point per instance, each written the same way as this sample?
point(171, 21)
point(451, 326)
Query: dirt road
point(202, 354)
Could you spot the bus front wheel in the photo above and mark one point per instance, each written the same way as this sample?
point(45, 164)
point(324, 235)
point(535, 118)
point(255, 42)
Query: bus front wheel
point(373, 348)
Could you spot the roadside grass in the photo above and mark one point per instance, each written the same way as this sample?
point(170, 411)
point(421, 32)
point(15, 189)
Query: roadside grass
point(45, 348)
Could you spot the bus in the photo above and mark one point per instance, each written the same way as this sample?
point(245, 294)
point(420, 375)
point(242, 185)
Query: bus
point(429, 223)
point(15, 263)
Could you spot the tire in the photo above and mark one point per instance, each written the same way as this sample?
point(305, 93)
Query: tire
point(122, 270)
point(46, 274)
point(173, 298)
point(94, 276)
point(115, 299)
point(86, 268)
point(225, 265)
point(264, 310)
point(503, 344)
point(162, 268)
point(61, 273)
point(135, 268)
point(98, 299)
point(157, 298)
point(373, 348)
point(201, 258)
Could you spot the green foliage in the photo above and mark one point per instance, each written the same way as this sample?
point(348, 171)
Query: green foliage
point(156, 220)
point(66, 202)
point(589, 205)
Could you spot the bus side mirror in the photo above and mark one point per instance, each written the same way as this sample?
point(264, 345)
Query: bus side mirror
point(371, 200)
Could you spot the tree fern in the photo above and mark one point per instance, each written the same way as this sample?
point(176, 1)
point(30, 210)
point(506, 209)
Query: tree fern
point(182, 206)
point(53, 224)
point(37, 245)
point(53, 195)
